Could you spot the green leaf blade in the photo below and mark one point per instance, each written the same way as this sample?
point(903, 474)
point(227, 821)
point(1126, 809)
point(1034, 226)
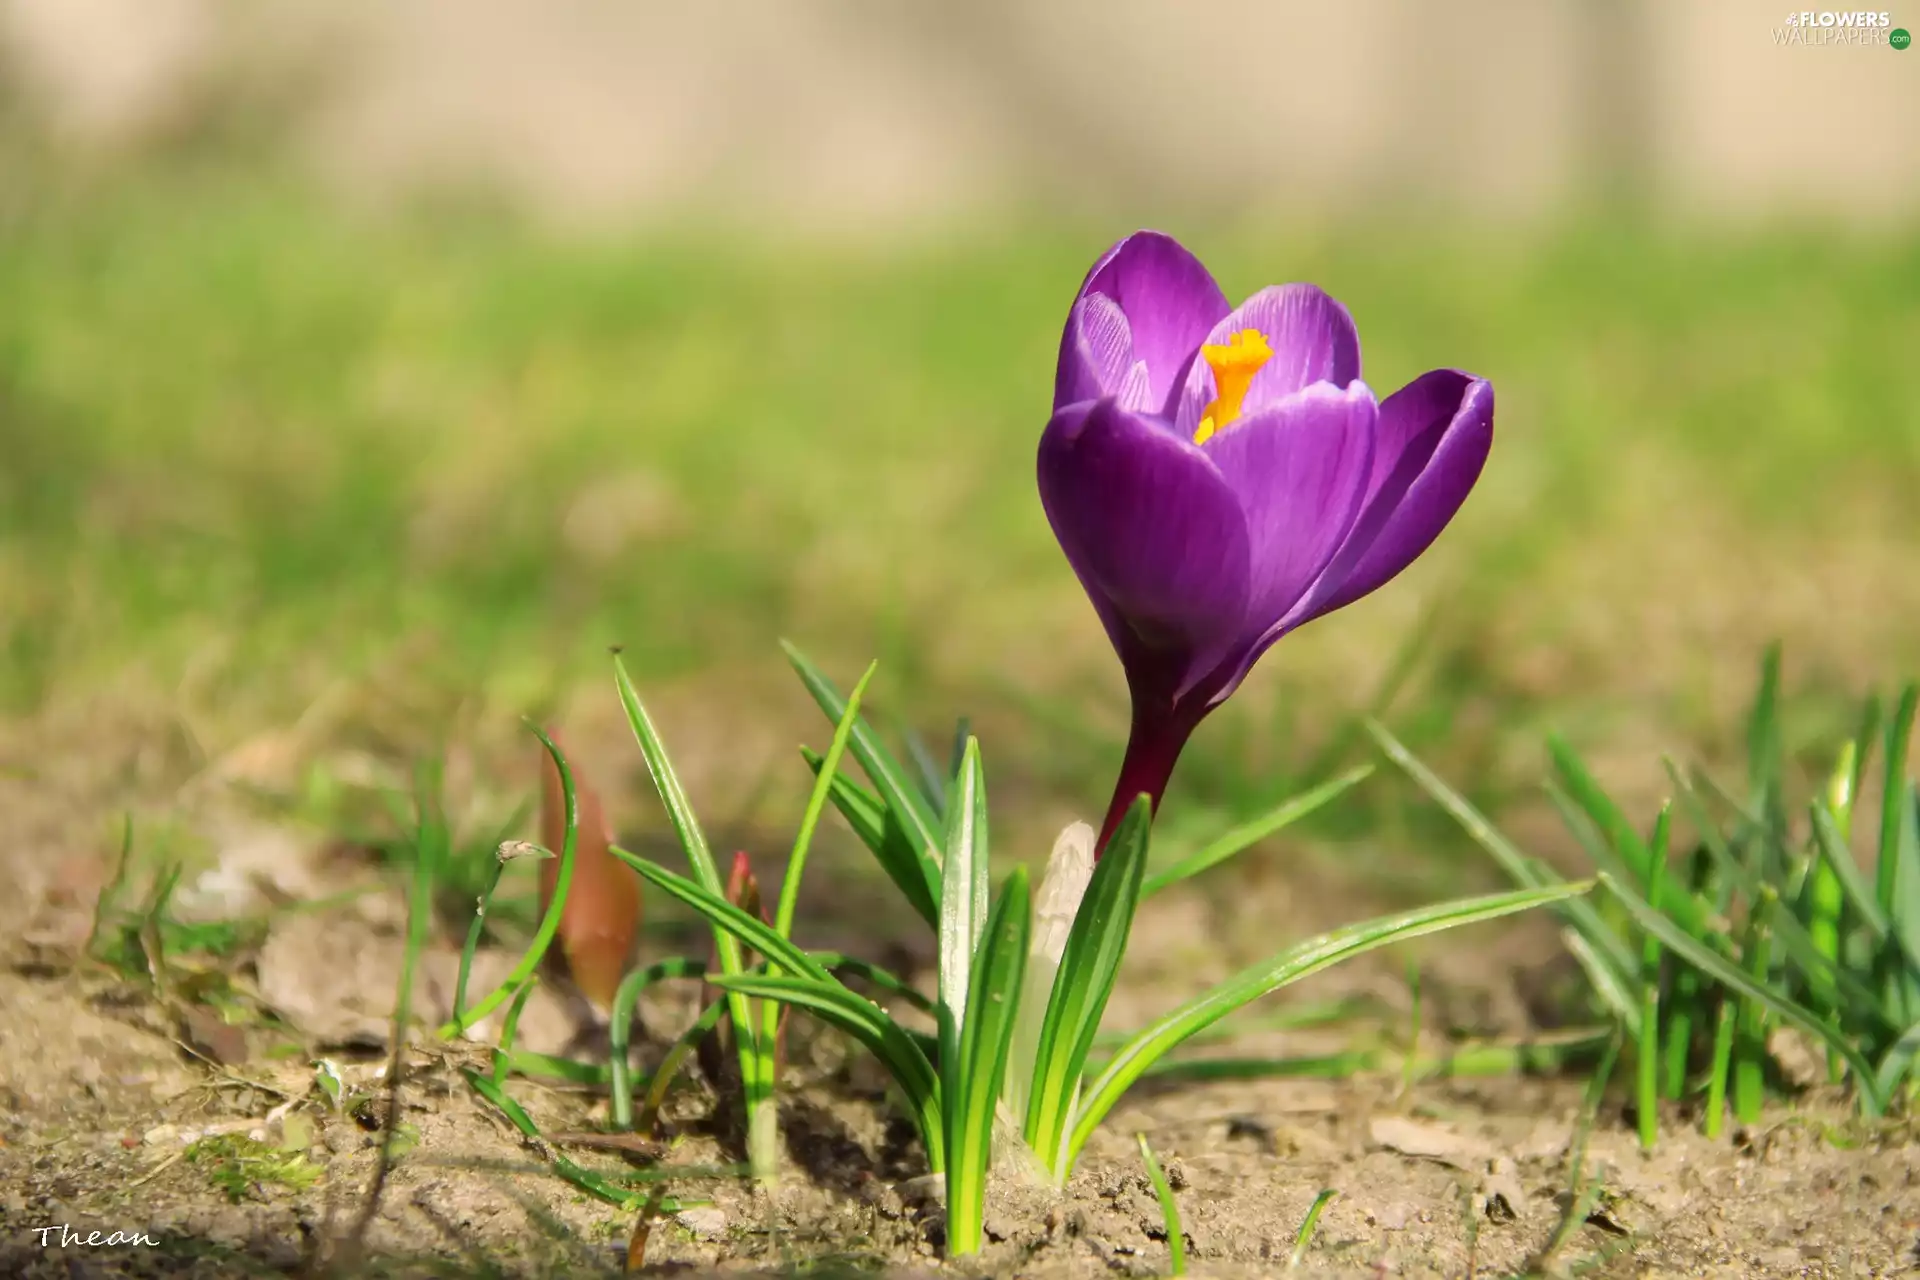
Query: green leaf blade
point(866, 1022)
point(867, 815)
point(430, 854)
point(973, 1082)
point(890, 778)
point(1608, 962)
point(1088, 968)
point(963, 892)
point(1231, 842)
point(693, 841)
point(1738, 983)
point(1290, 966)
point(1169, 1208)
point(1894, 778)
point(737, 925)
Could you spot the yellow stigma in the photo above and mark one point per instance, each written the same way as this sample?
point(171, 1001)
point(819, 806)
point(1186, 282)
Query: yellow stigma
point(1234, 365)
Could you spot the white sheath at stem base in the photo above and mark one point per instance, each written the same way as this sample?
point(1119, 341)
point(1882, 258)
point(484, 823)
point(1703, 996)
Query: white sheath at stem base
point(1069, 868)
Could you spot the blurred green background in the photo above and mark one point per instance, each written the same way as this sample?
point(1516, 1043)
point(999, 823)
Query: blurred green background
point(308, 468)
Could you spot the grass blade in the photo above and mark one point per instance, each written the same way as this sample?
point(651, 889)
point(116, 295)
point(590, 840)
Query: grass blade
point(933, 787)
point(1823, 899)
point(550, 922)
point(1592, 841)
point(1647, 1045)
point(1586, 791)
point(909, 868)
point(1303, 1239)
point(1896, 946)
point(1582, 1194)
point(890, 779)
point(862, 1019)
point(1289, 966)
point(1611, 840)
point(1611, 989)
point(739, 926)
point(1764, 764)
point(472, 943)
point(835, 963)
point(1894, 777)
point(1719, 855)
point(1720, 1068)
point(1230, 842)
point(620, 1026)
point(676, 1057)
point(1905, 910)
point(765, 1057)
point(588, 1181)
point(1793, 938)
point(1750, 1028)
point(1169, 1210)
point(1327, 1066)
point(1685, 1008)
point(1863, 741)
point(1860, 893)
point(509, 1028)
point(756, 1068)
point(813, 988)
point(1897, 1062)
point(1601, 952)
point(1088, 968)
point(686, 824)
point(816, 804)
point(974, 1075)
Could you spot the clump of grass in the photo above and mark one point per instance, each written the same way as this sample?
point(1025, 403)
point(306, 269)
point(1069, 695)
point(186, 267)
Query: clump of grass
point(931, 839)
point(242, 1167)
point(1766, 923)
point(642, 1191)
point(754, 1041)
point(137, 940)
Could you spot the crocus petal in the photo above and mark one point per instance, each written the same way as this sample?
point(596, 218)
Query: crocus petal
point(1313, 340)
point(1434, 437)
point(1155, 535)
point(1300, 470)
point(1100, 344)
point(1169, 301)
point(1103, 361)
point(1097, 357)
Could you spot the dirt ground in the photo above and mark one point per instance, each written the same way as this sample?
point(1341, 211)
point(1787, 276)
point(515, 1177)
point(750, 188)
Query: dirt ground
point(103, 1092)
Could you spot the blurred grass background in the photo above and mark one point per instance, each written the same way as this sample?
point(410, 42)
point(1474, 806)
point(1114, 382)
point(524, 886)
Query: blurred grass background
point(293, 487)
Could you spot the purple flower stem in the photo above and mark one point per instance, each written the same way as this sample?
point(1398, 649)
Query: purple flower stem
point(1153, 747)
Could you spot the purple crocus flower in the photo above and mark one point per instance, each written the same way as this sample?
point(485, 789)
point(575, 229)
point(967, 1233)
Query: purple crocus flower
point(1219, 476)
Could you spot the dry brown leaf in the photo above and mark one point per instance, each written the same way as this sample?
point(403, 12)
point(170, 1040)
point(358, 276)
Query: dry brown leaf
point(601, 920)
